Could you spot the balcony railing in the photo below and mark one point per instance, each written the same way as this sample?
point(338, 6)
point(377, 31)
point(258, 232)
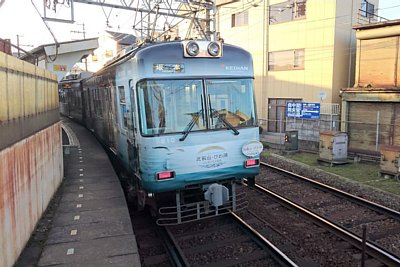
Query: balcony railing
point(365, 17)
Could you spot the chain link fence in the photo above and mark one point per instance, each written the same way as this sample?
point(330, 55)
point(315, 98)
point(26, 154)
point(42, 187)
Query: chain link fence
point(308, 130)
point(368, 128)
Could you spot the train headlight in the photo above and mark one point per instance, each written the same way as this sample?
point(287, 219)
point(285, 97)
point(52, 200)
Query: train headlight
point(214, 49)
point(192, 48)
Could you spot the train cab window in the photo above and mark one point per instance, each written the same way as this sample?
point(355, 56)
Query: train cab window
point(231, 101)
point(169, 106)
point(178, 106)
point(122, 105)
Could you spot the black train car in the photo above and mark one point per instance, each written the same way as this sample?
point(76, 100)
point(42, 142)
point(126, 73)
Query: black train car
point(70, 93)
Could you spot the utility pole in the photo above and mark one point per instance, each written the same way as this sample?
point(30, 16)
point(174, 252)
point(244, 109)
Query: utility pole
point(83, 30)
point(210, 29)
point(18, 45)
point(84, 37)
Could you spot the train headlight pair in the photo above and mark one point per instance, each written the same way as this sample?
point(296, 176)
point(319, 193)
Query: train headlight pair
point(202, 49)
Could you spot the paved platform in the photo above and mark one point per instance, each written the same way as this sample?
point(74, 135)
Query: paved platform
point(91, 225)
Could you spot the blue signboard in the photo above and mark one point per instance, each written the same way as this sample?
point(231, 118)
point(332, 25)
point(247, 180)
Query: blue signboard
point(303, 110)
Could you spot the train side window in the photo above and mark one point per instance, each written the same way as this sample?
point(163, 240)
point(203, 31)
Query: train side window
point(122, 106)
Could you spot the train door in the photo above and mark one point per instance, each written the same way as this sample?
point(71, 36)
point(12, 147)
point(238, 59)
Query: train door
point(122, 110)
point(113, 114)
point(109, 117)
point(90, 105)
point(84, 104)
point(133, 154)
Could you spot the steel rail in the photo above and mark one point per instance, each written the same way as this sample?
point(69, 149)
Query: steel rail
point(178, 258)
point(371, 249)
point(358, 200)
point(173, 249)
point(275, 253)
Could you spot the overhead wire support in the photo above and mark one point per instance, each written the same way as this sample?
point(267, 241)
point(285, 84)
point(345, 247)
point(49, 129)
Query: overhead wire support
point(46, 5)
point(157, 7)
point(90, 2)
point(51, 32)
point(200, 14)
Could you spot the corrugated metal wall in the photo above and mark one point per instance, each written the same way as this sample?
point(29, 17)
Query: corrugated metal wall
point(25, 89)
point(372, 124)
point(378, 62)
point(31, 166)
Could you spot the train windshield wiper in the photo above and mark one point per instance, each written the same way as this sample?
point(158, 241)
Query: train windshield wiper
point(189, 127)
point(215, 113)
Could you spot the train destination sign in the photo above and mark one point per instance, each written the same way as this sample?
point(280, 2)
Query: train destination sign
point(168, 68)
point(303, 110)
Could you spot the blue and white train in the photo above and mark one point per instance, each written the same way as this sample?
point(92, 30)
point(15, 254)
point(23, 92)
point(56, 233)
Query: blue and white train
point(181, 118)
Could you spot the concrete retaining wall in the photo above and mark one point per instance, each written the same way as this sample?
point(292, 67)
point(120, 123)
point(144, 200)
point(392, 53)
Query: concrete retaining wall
point(31, 163)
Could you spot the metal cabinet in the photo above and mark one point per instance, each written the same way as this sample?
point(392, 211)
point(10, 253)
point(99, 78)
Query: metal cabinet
point(333, 147)
point(291, 140)
point(390, 162)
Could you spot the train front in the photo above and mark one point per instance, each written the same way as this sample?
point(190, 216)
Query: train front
point(198, 125)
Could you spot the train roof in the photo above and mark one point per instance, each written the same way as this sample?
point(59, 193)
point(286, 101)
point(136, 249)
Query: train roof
point(76, 77)
point(141, 49)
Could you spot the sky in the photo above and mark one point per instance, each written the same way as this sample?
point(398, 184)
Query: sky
point(19, 17)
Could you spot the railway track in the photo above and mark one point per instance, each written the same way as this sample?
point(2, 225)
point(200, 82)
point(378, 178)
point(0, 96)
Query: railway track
point(149, 237)
point(335, 207)
point(220, 241)
point(224, 241)
point(289, 176)
point(309, 240)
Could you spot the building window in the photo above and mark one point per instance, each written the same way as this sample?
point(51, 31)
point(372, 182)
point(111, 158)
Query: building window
point(240, 19)
point(109, 53)
point(286, 60)
point(287, 11)
point(367, 9)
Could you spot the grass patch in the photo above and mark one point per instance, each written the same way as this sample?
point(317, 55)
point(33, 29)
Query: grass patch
point(364, 173)
point(265, 153)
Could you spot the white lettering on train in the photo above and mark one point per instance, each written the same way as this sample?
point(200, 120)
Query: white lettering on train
point(237, 68)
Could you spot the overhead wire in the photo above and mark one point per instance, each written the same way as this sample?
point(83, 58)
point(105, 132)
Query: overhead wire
point(244, 6)
point(107, 16)
point(52, 59)
point(388, 7)
point(314, 53)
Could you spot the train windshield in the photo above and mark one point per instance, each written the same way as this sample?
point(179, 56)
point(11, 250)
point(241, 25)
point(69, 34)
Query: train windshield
point(178, 106)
